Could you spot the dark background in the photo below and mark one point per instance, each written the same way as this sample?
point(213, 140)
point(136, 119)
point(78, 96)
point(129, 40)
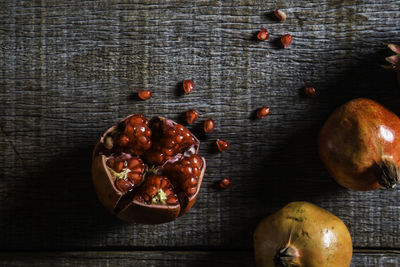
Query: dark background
point(70, 69)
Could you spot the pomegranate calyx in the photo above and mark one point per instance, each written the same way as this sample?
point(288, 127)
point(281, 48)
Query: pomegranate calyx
point(388, 173)
point(287, 256)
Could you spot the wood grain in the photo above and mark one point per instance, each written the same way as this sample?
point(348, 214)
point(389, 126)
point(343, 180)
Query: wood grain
point(170, 258)
point(70, 69)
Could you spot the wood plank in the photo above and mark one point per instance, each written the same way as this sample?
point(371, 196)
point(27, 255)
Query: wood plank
point(69, 69)
point(169, 258)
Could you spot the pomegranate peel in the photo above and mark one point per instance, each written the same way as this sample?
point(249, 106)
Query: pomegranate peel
point(360, 145)
point(137, 201)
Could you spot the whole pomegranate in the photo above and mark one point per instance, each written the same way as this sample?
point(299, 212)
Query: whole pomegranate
point(360, 145)
point(147, 171)
point(302, 234)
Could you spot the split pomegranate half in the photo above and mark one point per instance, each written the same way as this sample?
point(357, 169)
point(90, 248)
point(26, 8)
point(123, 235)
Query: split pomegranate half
point(147, 171)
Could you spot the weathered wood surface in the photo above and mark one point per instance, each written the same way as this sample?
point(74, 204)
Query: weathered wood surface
point(170, 258)
point(69, 69)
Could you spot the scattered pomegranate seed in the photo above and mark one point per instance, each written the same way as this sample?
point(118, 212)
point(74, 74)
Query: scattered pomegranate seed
point(262, 112)
point(309, 91)
point(222, 145)
point(280, 15)
point(191, 116)
point(286, 40)
point(225, 183)
point(208, 125)
point(144, 94)
point(263, 34)
point(188, 86)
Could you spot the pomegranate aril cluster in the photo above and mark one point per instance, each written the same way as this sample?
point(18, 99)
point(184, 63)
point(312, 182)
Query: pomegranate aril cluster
point(170, 140)
point(157, 190)
point(186, 172)
point(136, 135)
point(128, 171)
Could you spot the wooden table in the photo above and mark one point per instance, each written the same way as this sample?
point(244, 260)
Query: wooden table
point(70, 69)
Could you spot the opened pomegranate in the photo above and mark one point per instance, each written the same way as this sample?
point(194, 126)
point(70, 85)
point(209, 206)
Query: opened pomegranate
point(147, 171)
point(302, 234)
point(360, 145)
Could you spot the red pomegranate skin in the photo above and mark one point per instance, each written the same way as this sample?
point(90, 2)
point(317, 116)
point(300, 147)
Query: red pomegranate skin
point(357, 136)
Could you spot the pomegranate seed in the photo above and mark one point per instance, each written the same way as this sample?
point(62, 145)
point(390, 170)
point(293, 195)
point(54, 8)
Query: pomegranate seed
point(188, 86)
point(222, 145)
point(286, 40)
point(191, 116)
point(118, 166)
point(172, 200)
point(191, 191)
point(137, 119)
point(110, 163)
point(263, 34)
point(280, 15)
point(309, 91)
point(262, 112)
point(179, 139)
point(225, 183)
point(135, 178)
point(123, 141)
point(195, 160)
point(208, 125)
point(144, 94)
point(123, 185)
